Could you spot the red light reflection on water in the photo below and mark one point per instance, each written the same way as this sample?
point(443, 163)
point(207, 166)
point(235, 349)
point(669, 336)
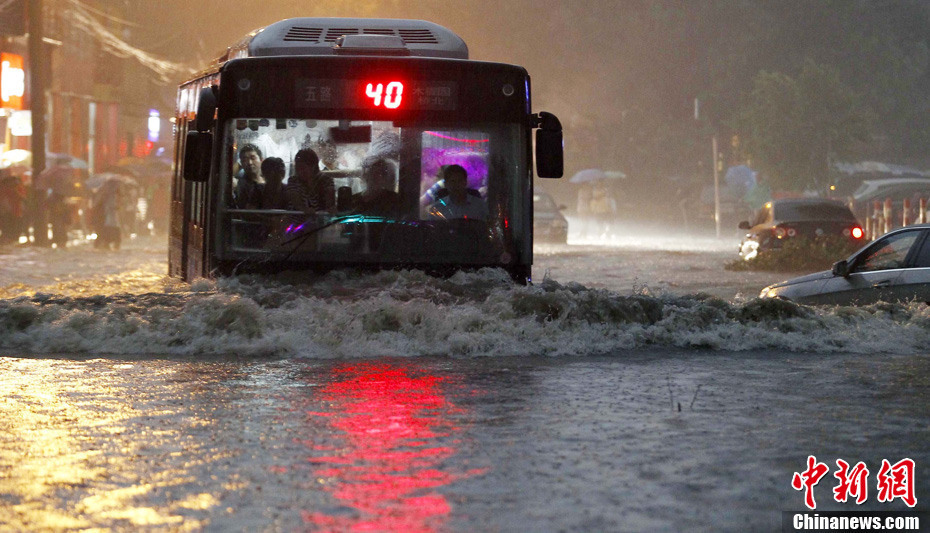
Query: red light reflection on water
point(397, 431)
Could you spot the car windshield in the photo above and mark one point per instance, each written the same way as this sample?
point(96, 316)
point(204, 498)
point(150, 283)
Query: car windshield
point(340, 190)
point(813, 211)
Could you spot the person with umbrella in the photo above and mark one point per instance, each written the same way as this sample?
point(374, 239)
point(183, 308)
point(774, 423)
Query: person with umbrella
point(12, 197)
point(56, 182)
point(107, 215)
point(596, 200)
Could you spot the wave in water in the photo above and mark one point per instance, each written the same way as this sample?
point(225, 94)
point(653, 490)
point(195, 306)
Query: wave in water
point(340, 315)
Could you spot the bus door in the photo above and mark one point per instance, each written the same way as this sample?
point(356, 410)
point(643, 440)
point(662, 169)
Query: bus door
point(197, 157)
point(186, 248)
point(195, 231)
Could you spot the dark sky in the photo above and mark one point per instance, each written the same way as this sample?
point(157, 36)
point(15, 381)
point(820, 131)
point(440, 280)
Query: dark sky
point(573, 61)
point(576, 53)
point(622, 75)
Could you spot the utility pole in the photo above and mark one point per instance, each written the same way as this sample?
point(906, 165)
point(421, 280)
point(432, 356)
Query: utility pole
point(716, 186)
point(713, 161)
point(38, 65)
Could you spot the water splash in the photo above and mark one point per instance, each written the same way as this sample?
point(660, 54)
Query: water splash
point(407, 313)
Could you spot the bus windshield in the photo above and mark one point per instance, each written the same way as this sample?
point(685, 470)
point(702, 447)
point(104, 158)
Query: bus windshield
point(356, 191)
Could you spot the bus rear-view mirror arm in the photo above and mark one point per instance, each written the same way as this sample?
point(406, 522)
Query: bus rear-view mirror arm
point(549, 149)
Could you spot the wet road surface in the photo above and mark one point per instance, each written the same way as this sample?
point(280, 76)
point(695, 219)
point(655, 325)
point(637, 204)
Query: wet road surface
point(646, 439)
point(439, 444)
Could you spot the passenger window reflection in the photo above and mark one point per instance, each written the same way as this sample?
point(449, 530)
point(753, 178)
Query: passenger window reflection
point(890, 254)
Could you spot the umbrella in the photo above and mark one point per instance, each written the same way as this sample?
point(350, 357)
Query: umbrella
point(14, 157)
point(596, 174)
point(740, 176)
point(143, 169)
point(98, 180)
point(154, 164)
point(60, 179)
point(52, 159)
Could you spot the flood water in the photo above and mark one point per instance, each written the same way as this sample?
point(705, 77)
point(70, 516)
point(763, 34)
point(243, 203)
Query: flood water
point(398, 402)
point(439, 444)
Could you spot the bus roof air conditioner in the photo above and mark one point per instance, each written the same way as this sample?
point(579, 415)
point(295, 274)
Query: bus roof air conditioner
point(377, 45)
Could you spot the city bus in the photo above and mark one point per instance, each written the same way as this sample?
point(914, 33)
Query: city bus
point(389, 109)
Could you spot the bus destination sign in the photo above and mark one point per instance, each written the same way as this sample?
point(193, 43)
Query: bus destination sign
point(377, 93)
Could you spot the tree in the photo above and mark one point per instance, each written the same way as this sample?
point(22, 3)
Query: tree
point(794, 128)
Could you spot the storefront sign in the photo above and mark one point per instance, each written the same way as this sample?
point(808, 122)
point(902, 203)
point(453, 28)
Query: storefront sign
point(20, 123)
point(12, 81)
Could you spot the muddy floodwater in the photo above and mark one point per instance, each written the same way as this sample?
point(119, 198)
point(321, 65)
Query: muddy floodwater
point(633, 387)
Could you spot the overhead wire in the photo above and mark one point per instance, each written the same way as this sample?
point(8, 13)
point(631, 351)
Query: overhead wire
point(104, 14)
point(83, 18)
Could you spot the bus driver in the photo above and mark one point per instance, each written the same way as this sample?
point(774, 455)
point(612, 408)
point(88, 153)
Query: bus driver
point(461, 202)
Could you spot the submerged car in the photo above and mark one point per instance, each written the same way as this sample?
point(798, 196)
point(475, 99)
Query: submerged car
point(811, 218)
point(549, 225)
point(893, 268)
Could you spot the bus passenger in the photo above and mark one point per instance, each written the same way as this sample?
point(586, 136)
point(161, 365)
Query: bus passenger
point(309, 191)
point(380, 197)
point(248, 191)
point(460, 202)
point(273, 193)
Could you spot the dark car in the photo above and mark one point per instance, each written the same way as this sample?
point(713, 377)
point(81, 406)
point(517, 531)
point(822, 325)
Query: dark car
point(548, 223)
point(895, 267)
point(811, 218)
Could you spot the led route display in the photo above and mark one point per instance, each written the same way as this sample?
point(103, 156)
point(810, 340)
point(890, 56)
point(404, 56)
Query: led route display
point(381, 93)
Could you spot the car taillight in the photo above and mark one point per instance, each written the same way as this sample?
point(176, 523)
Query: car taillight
point(792, 232)
point(780, 233)
point(857, 232)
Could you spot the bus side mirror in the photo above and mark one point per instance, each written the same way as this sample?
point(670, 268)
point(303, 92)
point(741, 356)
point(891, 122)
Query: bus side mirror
point(549, 150)
point(206, 109)
point(197, 148)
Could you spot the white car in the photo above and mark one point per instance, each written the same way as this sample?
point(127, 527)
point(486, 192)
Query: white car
point(895, 267)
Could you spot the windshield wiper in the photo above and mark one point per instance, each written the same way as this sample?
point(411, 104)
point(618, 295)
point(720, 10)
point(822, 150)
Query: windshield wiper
point(302, 238)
